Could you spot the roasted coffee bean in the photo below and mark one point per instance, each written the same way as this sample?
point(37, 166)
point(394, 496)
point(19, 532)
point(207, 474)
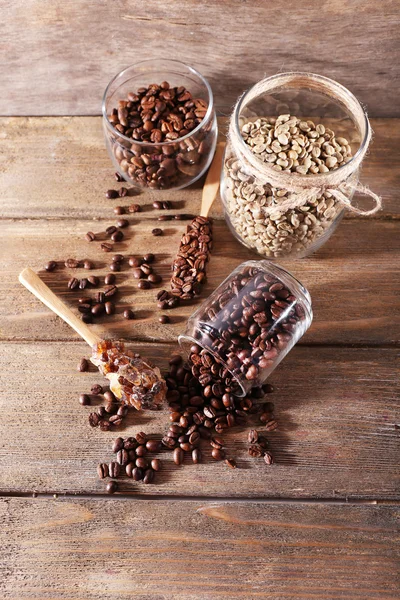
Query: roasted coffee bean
point(122, 457)
point(73, 283)
point(88, 265)
point(117, 236)
point(111, 229)
point(84, 300)
point(112, 487)
point(271, 425)
point(129, 314)
point(134, 208)
point(109, 279)
point(122, 223)
point(178, 456)
point(154, 278)
point(118, 445)
point(122, 411)
point(98, 310)
point(156, 464)
point(109, 308)
point(118, 258)
point(72, 263)
point(111, 194)
point(83, 365)
point(217, 454)
point(83, 283)
point(153, 445)
point(141, 450)
point(111, 408)
point(144, 285)
point(169, 442)
point(231, 463)
point(196, 456)
point(96, 389)
point(148, 476)
point(217, 442)
point(51, 266)
point(268, 388)
point(141, 437)
point(102, 411)
point(100, 297)
point(141, 462)
point(252, 436)
point(85, 401)
point(164, 218)
point(255, 450)
point(90, 236)
point(94, 420)
point(148, 258)
point(102, 470)
point(130, 443)
point(129, 468)
point(114, 469)
point(122, 192)
point(106, 247)
point(110, 291)
point(157, 205)
point(164, 319)
point(137, 474)
point(146, 269)
point(137, 273)
point(268, 458)
point(115, 266)
point(118, 177)
point(93, 280)
point(105, 425)
point(109, 396)
point(156, 231)
point(87, 318)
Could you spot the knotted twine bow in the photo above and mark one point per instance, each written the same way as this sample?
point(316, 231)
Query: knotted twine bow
point(341, 182)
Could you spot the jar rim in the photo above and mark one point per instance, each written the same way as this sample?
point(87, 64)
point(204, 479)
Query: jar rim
point(184, 339)
point(172, 62)
point(317, 179)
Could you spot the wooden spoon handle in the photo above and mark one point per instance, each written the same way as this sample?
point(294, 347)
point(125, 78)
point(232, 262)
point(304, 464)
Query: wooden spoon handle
point(34, 284)
point(213, 178)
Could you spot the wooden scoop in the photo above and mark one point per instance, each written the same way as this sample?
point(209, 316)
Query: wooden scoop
point(34, 284)
point(212, 181)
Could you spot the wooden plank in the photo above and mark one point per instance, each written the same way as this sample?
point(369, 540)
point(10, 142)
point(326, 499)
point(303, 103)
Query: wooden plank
point(86, 549)
point(352, 279)
point(59, 167)
point(71, 49)
point(337, 410)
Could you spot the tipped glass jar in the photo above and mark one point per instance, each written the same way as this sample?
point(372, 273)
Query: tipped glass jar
point(249, 324)
point(159, 135)
point(291, 135)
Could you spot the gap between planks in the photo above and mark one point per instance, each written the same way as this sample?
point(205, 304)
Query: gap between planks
point(342, 501)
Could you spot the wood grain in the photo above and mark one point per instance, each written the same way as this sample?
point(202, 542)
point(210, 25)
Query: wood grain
point(86, 549)
point(337, 410)
point(59, 168)
point(72, 48)
point(353, 279)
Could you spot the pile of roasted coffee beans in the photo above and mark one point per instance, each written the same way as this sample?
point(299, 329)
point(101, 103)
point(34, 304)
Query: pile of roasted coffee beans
point(131, 461)
point(189, 266)
point(157, 116)
point(202, 408)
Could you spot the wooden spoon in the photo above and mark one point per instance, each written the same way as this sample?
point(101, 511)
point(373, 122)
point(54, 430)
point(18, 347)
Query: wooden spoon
point(211, 184)
point(34, 284)
point(146, 381)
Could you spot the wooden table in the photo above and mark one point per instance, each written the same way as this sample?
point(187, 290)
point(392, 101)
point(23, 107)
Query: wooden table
point(320, 523)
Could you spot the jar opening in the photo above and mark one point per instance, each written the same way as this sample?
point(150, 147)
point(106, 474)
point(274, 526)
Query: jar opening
point(311, 82)
point(152, 63)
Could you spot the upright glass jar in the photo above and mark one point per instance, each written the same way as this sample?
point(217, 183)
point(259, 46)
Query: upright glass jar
point(284, 132)
point(170, 164)
point(250, 322)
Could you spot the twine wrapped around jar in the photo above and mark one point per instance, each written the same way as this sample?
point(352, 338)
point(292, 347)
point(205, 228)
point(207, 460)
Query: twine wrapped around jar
point(304, 188)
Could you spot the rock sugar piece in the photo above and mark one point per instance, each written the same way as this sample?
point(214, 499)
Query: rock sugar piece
point(133, 380)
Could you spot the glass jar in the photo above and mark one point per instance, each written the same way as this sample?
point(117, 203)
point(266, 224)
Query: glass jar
point(170, 164)
point(261, 212)
point(250, 322)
